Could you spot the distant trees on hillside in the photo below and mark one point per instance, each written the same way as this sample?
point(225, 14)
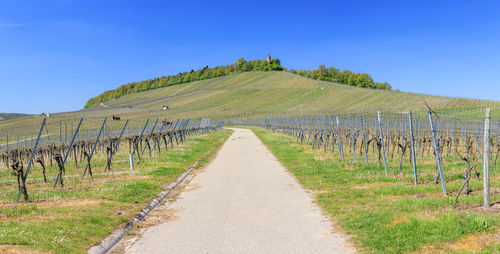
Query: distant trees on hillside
point(259, 65)
point(6, 116)
point(185, 77)
point(322, 73)
point(344, 77)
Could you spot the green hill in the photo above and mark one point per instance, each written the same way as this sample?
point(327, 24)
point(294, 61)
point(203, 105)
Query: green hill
point(241, 65)
point(275, 92)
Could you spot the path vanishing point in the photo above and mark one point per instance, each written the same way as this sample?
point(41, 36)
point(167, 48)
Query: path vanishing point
point(245, 201)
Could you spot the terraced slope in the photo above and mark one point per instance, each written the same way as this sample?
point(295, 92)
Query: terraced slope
point(281, 91)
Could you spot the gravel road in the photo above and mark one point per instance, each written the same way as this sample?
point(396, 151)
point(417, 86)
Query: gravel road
point(244, 202)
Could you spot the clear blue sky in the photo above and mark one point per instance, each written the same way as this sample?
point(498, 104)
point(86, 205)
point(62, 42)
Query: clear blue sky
point(55, 54)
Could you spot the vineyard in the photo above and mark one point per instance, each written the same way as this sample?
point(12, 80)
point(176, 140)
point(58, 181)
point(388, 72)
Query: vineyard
point(363, 137)
point(256, 93)
point(50, 150)
point(297, 105)
point(397, 182)
point(249, 127)
point(410, 138)
point(79, 169)
point(91, 176)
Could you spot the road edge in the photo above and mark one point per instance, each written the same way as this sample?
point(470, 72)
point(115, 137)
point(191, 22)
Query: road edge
point(108, 243)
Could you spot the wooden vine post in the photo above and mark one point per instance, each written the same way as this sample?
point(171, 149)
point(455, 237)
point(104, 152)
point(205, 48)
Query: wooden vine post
point(486, 159)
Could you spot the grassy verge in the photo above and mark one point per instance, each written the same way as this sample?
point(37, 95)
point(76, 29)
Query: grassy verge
point(388, 214)
point(72, 220)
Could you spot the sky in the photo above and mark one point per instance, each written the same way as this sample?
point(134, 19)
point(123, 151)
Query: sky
point(56, 54)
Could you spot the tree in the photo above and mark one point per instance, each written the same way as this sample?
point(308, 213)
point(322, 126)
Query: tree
point(321, 71)
point(347, 77)
point(334, 73)
point(274, 67)
point(248, 66)
point(364, 80)
point(276, 61)
point(384, 86)
point(239, 64)
point(387, 86)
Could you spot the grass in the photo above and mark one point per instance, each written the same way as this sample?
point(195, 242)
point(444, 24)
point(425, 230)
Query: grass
point(388, 214)
point(72, 220)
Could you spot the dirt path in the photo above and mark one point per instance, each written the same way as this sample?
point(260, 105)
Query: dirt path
point(245, 202)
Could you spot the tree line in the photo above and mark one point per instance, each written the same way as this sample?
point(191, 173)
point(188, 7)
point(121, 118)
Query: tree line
point(322, 73)
point(346, 77)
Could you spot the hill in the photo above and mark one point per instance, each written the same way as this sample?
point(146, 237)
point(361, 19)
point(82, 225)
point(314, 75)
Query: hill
point(241, 65)
point(245, 94)
point(255, 92)
point(252, 92)
point(7, 116)
point(186, 77)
